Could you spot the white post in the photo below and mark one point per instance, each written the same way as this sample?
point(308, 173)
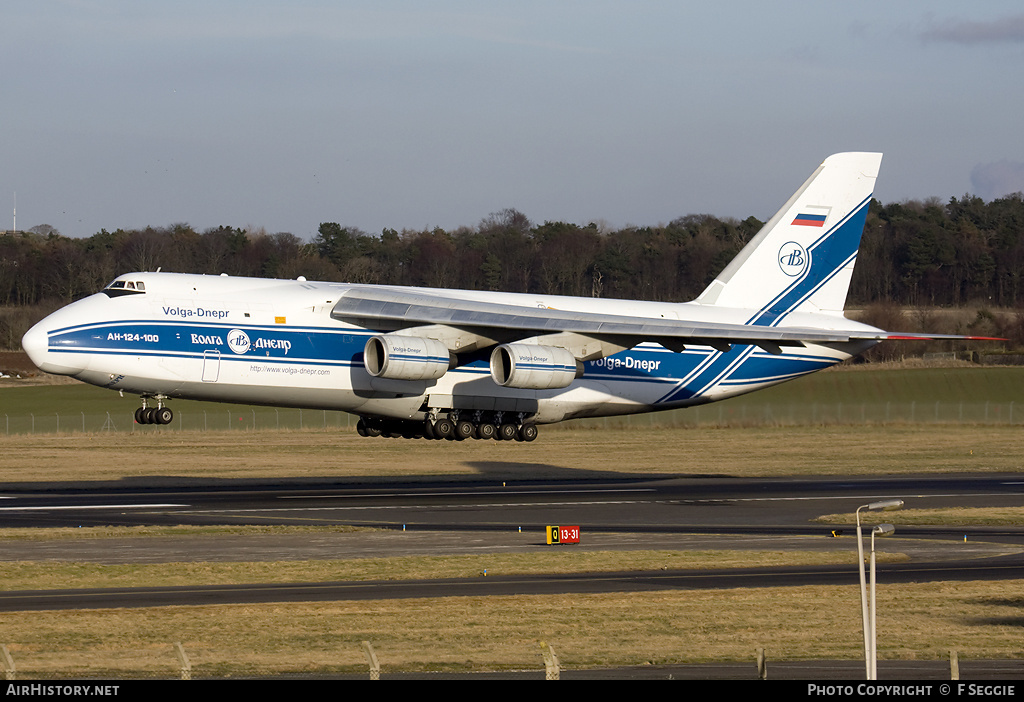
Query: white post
point(863, 596)
point(183, 661)
point(552, 670)
point(880, 530)
point(5, 657)
point(874, 613)
point(371, 659)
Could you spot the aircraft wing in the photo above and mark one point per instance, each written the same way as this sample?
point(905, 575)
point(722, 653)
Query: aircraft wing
point(393, 308)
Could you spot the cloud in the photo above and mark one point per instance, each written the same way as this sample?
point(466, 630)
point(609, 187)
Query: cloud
point(993, 180)
point(1000, 31)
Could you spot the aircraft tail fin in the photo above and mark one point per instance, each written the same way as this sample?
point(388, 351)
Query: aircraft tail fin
point(803, 257)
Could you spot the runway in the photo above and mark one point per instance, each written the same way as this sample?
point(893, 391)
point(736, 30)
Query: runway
point(467, 517)
point(656, 503)
point(1006, 567)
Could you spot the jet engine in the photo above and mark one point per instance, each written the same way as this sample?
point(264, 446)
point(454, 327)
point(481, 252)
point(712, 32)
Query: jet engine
point(406, 357)
point(534, 367)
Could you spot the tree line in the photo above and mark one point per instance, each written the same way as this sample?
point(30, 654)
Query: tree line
point(962, 253)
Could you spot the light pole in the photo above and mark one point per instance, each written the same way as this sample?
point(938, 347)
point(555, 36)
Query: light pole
point(865, 624)
point(880, 530)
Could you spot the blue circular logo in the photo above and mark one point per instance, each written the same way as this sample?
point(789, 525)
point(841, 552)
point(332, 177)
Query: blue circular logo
point(793, 259)
point(238, 341)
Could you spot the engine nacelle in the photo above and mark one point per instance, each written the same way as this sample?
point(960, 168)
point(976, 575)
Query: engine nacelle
point(406, 357)
point(534, 367)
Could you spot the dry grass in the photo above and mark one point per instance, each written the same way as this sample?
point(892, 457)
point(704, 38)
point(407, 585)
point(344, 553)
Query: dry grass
point(956, 516)
point(48, 575)
point(155, 458)
point(210, 530)
point(980, 620)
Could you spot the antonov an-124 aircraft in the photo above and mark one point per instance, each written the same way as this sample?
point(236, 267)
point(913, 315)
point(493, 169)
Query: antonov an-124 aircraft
point(456, 364)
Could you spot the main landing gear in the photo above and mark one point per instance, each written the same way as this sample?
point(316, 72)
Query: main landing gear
point(449, 428)
point(154, 415)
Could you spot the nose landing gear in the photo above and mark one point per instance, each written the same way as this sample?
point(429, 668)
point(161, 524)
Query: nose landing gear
point(154, 415)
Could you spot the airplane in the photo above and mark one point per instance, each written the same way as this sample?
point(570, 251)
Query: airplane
point(459, 364)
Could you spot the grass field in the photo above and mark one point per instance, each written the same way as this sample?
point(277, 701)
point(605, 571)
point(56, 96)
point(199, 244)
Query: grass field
point(53, 575)
point(921, 621)
point(838, 426)
point(191, 457)
point(885, 394)
point(980, 620)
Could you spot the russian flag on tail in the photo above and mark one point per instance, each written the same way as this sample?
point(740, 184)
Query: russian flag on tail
point(812, 216)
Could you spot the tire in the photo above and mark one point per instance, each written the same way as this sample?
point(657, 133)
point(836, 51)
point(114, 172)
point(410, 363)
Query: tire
point(486, 431)
point(507, 432)
point(464, 429)
point(528, 432)
point(444, 429)
point(163, 415)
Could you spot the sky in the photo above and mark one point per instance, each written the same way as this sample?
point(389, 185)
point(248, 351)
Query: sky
point(412, 115)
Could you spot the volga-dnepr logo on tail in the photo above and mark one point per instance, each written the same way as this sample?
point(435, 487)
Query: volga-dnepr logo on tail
point(792, 259)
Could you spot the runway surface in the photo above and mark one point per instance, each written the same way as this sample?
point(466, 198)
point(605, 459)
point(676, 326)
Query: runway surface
point(458, 517)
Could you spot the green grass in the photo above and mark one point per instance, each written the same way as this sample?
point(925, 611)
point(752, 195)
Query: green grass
point(853, 384)
point(972, 394)
point(925, 385)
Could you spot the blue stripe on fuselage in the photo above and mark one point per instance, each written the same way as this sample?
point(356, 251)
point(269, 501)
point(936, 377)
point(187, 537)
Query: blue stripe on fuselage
point(689, 373)
point(192, 340)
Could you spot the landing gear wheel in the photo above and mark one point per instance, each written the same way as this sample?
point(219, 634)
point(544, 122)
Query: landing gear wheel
point(140, 415)
point(163, 415)
point(463, 429)
point(444, 428)
point(507, 432)
point(528, 432)
point(486, 431)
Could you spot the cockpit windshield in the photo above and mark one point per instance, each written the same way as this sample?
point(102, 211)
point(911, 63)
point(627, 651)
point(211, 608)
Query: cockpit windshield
point(125, 287)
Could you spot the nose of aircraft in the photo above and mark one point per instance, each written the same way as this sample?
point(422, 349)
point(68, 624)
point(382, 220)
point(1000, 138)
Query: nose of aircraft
point(36, 344)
